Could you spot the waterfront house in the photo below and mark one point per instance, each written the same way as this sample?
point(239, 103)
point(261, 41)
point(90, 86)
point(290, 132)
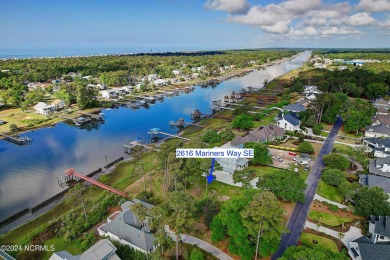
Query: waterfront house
point(128, 89)
point(109, 93)
point(44, 109)
point(102, 250)
point(289, 121)
point(262, 134)
point(379, 130)
point(229, 165)
point(58, 104)
point(176, 72)
point(153, 77)
point(380, 167)
point(160, 82)
point(318, 65)
point(125, 227)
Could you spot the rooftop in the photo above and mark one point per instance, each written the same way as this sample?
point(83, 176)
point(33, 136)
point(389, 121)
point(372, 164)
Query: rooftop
point(375, 181)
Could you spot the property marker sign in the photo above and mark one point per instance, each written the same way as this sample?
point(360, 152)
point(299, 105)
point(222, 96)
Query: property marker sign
point(214, 153)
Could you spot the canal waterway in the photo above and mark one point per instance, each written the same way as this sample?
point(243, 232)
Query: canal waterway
point(28, 174)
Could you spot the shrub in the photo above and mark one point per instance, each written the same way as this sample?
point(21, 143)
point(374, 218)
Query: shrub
point(306, 147)
point(336, 161)
point(333, 177)
point(317, 129)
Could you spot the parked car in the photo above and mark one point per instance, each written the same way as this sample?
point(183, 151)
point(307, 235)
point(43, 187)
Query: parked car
point(292, 154)
point(306, 168)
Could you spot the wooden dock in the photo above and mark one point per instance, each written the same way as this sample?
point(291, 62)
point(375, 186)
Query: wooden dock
point(19, 140)
point(128, 148)
point(155, 132)
point(181, 123)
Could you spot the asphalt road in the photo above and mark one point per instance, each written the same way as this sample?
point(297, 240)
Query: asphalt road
point(297, 220)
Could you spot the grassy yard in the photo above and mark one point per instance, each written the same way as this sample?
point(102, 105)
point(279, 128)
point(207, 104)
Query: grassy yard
point(328, 219)
point(263, 170)
point(307, 239)
point(329, 192)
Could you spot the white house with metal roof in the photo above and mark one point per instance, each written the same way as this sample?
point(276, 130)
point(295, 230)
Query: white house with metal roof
point(44, 109)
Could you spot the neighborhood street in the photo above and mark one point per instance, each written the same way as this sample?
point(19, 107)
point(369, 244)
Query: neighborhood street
point(298, 217)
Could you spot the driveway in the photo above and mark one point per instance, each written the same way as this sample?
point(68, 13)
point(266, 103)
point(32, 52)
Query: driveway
point(187, 239)
point(352, 234)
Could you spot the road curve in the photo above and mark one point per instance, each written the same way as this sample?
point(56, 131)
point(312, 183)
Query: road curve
point(297, 220)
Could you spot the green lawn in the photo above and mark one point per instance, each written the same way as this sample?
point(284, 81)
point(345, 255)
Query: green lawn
point(329, 192)
point(328, 219)
point(307, 239)
point(72, 246)
point(262, 170)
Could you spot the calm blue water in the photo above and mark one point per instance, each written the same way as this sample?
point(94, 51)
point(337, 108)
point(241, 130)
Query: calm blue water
point(28, 174)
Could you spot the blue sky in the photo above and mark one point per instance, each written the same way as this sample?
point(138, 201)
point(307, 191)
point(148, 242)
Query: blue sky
point(140, 25)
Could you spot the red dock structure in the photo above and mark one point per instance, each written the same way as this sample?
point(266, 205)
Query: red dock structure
point(71, 172)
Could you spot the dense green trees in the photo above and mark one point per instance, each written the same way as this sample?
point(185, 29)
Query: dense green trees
point(333, 177)
point(240, 220)
point(336, 161)
point(286, 185)
point(211, 136)
point(243, 122)
point(263, 217)
point(261, 153)
point(86, 97)
point(357, 114)
point(371, 201)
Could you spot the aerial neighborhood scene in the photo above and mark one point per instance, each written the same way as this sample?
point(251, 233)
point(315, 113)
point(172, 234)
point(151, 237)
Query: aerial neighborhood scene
point(195, 130)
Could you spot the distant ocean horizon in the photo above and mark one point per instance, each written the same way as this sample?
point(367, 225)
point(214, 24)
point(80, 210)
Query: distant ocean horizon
point(69, 52)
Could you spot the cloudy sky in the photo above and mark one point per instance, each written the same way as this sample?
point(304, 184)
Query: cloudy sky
point(140, 25)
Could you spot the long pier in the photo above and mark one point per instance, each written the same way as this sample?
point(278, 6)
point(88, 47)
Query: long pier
point(20, 140)
point(158, 132)
point(128, 148)
point(182, 123)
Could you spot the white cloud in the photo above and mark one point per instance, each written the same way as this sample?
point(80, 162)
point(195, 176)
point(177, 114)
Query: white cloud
point(305, 32)
point(301, 6)
point(374, 5)
point(296, 19)
point(230, 6)
point(360, 19)
point(339, 31)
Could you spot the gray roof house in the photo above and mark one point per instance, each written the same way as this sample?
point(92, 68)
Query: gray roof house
point(266, 133)
point(380, 167)
point(381, 119)
point(124, 227)
point(375, 181)
point(380, 147)
point(363, 249)
point(379, 228)
point(101, 250)
point(379, 130)
point(297, 107)
point(381, 103)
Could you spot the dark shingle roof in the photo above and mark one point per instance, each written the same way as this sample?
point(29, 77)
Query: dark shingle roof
point(382, 225)
point(297, 107)
point(374, 251)
point(128, 227)
point(375, 166)
point(381, 129)
point(260, 134)
point(291, 119)
point(378, 141)
point(377, 181)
